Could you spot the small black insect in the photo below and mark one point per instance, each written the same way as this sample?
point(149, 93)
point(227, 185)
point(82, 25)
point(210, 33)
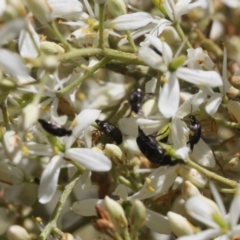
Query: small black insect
point(110, 130)
point(54, 129)
point(135, 99)
point(152, 151)
point(195, 131)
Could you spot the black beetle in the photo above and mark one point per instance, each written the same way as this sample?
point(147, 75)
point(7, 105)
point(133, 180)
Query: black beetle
point(135, 99)
point(54, 129)
point(195, 131)
point(152, 151)
point(110, 130)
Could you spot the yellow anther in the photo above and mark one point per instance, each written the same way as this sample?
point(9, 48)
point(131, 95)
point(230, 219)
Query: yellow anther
point(29, 136)
point(25, 150)
point(55, 150)
point(150, 188)
point(148, 180)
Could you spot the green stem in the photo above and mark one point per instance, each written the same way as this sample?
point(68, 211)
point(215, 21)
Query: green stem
point(126, 182)
point(181, 34)
point(55, 30)
point(126, 234)
point(227, 123)
point(212, 175)
point(84, 77)
point(56, 213)
point(5, 115)
point(101, 25)
point(130, 40)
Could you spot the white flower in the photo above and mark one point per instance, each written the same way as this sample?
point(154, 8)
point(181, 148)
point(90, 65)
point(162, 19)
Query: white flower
point(169, 94)
point(88, 158)
point(214, 216)
point(175, 9)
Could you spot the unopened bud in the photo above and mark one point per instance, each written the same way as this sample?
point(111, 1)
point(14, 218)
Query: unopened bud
point(50, 63)
point(7, 84)
point(51, 48)
point(232, 165)
point(10, 174)
point(116, 212)
point(138, 214)
point(189, 190)
point(180, 225)
point(117, 7)
point(16, 232)
point(193, 176)
point(114, 153)
point(67, 236)
point(235, 81)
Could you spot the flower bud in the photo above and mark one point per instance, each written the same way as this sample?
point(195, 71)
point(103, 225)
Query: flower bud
point(180, 225)
point(114, 153)
point(10, 174)
point(235, 81)
point(116, 212)
point(232, 165)
point(41, 10)
point(67, 236)
point(51, 48)
point(138, 214)
point(29, 116)
point(7, 84)
point(16, 232)
point(12, 146)
point(189, 190)
point(117, 7)
point(193, 176)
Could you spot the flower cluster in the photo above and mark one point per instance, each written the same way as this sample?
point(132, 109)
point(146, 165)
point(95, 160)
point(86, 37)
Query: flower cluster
point(125, 111)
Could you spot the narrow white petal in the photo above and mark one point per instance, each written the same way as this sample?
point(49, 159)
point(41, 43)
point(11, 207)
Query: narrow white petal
point(234, 211)
point(90, 159)
point(150, 86)
point(128, 126)
point(204, 235)
point(26, 46)
point(169, 96)
point(121, 191)
point(86, 207)
point(200, 77)
point(234, 109)
point(131, 21)
point(158, 222)
point(49, 179)
point(203, 155)
point(213, 103)
point(12, 64)
point(159, 181)
point(182, 152)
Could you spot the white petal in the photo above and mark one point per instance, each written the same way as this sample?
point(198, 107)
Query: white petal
point(90, 159)
point(63, 8)
point(128, 126)
point(213, 103)
point(131, 21)
point(200, 77)
point(11, 30)
point(86, 207)
point(26, 46)
point(81, 122)
point(204, 235)
point(12, 64)
point(182, 152)
point(201, 210)
point(150, 86)
point(121, 191)
point(169, 97)
point(203, 155)
point(158, 222)
point(234, 211)
point(191, 104)
point(157, 183)
point(49, 179)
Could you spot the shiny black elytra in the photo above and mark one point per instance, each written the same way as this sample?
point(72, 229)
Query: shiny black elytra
point(152, 151)
point(54, 129)
point(135, 99)
point(195, 131)
point(110, 130)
